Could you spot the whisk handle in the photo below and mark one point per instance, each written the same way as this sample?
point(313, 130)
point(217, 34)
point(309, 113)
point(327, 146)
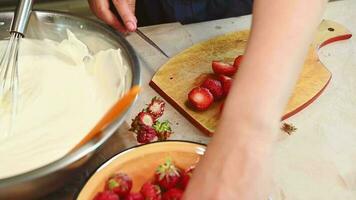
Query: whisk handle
point(22, 16)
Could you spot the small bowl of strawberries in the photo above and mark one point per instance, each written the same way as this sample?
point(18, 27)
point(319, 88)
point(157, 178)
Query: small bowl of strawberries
point(155, 171)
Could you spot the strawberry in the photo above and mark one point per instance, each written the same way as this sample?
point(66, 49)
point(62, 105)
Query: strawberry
point(120, 184)
point(146, 134)
point(150, 191)
point(221, 68)
point(142, 119)
point(163, 130)
point(226, 84)
point(173, 194)
point(134, 196)
point(200, 98)
point(167, 175)
point(215, 87)
point(186, 175)
point(106, 195)
point(156, 107)
point(238, 61)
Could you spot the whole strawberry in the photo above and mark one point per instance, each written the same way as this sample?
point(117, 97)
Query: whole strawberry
point(167, 175)
point(106, 195)
point(173, 194)
point(150, 191)
point(186, 175)
point(134, 196)
point(120, 184)
point(163, 130)
point(142, 119)
point(156, 107)
point(146, 134)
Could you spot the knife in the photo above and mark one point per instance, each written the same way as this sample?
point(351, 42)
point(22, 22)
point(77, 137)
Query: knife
point(138, 32)
point(149, 41)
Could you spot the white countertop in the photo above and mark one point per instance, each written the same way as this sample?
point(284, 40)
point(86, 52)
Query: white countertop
point(318, 161)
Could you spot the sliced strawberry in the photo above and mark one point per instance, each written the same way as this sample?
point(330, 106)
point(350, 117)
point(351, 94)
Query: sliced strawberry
point(221, 68)
point(200, 98)
point(238, 61)
point(142, 119)
point(226, 83)
point(215, 87)
point(156, 107)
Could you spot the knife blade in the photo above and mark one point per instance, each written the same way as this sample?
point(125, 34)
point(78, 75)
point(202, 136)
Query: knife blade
point(139, 32)
point(149, 41)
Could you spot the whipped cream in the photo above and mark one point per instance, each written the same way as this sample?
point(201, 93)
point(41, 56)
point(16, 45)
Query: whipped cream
point(64, 91)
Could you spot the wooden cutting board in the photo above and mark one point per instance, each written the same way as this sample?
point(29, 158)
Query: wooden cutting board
point(188, 69)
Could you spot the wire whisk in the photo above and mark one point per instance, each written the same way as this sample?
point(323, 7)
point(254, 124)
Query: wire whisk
point(9, 76)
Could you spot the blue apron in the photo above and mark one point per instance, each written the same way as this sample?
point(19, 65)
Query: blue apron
point(151, 12)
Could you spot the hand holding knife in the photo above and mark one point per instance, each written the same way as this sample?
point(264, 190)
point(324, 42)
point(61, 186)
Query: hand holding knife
point(138, 31)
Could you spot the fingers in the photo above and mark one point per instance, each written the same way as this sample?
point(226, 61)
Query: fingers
point(101, 9)
point(127, 14)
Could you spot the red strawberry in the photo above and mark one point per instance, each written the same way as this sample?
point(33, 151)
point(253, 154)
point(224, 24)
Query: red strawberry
point(146, 134)
point(134, 196)
point(173, 194)
point(156, 107)
point(223, 68)
point(186, 175)
point(167, 175)
point(200, 98)
point(163, 130)
point(215, 87)
point(226, 83)
point(150, 191)
point(142, 119)
point(238, 61)
point(106, 195)
point(120, 184)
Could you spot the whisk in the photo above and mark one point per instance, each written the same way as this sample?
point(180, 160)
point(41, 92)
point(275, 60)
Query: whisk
point(9, 77)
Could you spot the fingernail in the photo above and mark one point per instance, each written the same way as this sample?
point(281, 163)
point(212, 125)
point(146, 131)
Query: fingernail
point(130, 26)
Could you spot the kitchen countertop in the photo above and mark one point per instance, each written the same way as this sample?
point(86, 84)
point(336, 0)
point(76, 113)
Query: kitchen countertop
point(317, 162)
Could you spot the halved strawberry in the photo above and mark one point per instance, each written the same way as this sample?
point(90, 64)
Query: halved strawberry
point(156, 107)
point(238, 61)
point(215, 87)
point(200, 98)
point(142, 119)
point(226, 83)
point(222, 68)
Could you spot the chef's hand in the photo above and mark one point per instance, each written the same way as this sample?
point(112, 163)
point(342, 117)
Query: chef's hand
point(125, 8)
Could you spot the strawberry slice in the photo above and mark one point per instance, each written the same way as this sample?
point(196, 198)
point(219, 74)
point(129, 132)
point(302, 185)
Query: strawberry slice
point(226, 84)
point(200, 98)
point(222, 68)
point(215, 87)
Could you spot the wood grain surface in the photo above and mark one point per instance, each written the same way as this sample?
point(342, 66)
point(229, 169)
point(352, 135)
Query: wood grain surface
point(189, 68)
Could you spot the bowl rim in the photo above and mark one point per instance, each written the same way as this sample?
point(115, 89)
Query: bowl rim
point(93, 145)
point(130, 149)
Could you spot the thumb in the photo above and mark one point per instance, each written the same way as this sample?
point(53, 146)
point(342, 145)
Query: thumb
point(126, 14)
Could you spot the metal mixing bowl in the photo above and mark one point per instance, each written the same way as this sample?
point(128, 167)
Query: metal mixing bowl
point(53, 25)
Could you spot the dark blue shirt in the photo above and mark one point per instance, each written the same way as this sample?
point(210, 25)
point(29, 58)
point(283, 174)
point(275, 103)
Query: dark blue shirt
point(151, 12)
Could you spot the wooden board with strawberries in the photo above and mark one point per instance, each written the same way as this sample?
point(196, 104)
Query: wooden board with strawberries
point(192, 67)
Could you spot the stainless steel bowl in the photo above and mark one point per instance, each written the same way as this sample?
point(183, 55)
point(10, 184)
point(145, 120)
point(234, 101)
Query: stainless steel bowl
point(53, 25)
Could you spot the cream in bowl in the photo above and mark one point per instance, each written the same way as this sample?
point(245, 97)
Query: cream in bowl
point(64, 91)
